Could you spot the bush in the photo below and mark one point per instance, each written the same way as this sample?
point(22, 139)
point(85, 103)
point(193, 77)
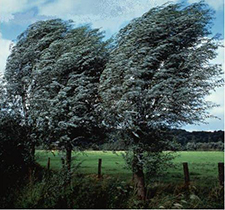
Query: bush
point(83, 192)
point(88, 192)
point(14, 157)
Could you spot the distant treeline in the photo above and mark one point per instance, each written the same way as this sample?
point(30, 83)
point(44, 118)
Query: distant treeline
point(199, 140)
point(185, 140)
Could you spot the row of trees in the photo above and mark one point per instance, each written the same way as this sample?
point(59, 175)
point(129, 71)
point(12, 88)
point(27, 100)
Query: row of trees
point(183, 137)
point(192, 146)
point(71, 88)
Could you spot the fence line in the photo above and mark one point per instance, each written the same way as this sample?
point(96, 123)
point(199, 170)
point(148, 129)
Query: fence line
point(185, 170)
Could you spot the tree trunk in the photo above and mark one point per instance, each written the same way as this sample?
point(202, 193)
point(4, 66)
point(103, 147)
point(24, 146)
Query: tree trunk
point(68, 157)
point(63, 162)
point(32, 152)
point(138, 177)
point(30, 175)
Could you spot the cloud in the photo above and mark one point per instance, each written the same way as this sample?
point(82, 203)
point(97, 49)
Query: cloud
point(212, 125)
point(8, 8)
point(220, 55)
point(216, 97)
point(28, 17)
point(215, 4)
point(109, 15)
point(4, 53)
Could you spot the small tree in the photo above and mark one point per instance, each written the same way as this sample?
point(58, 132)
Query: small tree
point(157, 77)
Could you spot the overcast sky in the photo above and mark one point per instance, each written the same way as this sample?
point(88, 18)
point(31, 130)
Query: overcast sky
point(110, 16)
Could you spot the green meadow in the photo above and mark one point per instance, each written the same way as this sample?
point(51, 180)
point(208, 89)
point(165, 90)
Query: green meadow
point(203, 165)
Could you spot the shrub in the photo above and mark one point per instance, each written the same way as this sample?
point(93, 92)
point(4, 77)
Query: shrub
point(83, 192)
point(14, 157)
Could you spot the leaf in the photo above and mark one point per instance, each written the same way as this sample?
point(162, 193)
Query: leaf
point(194, 197)
point(177, 205)
point(135, 134)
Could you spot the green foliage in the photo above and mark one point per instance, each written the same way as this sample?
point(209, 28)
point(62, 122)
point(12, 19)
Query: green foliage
point(192, 146)
point(89, 192)
point(44, 193)
point(14, 147)
point(183, 137)
point(199, 140)
point(154, 163)
point(183, 197)
point(14, 156)
point(164, 82)
point(53, 71)
point(53, 192)
point(22, 64)
point(27, 51)
point(65, 99)
point(166, 79)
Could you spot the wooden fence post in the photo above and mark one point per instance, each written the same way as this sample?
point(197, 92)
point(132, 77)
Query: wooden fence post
point(221, 173)
point(30, 175)
point(99, 167)
point(63, 162)
point(48, 164)
point(186, 173)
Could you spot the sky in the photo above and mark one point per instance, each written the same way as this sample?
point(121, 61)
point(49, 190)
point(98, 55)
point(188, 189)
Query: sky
point(109, 16)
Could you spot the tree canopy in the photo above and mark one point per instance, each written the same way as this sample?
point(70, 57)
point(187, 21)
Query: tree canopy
point(26, 53)
point(159, 71)
point(65, 98)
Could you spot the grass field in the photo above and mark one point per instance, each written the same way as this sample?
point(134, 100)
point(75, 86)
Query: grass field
point(203, 166)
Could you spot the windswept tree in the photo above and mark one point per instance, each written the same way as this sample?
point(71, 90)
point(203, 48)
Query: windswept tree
point(53, 72)
point(65, 94)
point(26, 53)
point(157, 77)
point(25, 56)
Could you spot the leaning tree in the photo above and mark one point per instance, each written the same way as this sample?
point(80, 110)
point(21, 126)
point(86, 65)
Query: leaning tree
point(65, 94)
point(157, 77)
point(23, 59)
point(53, 72)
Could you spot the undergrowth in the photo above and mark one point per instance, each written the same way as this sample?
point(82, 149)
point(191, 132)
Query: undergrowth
point(61, 190)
